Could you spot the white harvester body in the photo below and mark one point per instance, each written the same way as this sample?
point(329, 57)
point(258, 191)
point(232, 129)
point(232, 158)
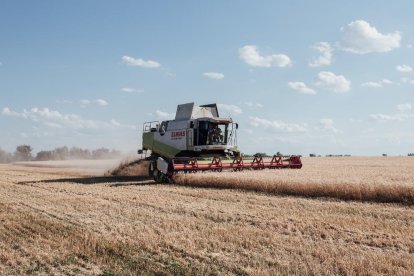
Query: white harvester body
point(198, 139)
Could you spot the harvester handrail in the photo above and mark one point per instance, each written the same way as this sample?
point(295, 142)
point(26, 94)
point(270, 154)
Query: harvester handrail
point(147, 126)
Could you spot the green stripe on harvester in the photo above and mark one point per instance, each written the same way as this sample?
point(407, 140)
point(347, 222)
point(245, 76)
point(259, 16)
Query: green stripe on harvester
point(158, 147)
point(147, 140)
point(164, 149)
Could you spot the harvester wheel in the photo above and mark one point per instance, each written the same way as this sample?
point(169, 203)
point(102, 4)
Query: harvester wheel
point(158, 176)
point(154, 172)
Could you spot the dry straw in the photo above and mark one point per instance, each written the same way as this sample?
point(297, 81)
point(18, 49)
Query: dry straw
point(357, 181)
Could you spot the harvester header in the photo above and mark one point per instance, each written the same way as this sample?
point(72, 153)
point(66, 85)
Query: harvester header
point(198, 139)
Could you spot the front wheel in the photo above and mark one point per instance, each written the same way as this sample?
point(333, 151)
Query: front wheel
point(157, 175)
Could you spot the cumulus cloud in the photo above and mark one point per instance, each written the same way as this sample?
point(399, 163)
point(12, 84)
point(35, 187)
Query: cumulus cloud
point(404, 68)
point(384, 117)
point(100, 102)
point(404, 107)
point(140, 62)
point(55, 119)
point(214, 75)
point(335, 83)
point(379, 84)
point(325, 50)
point(403, 114)
point(251, 56)
point(360, 37)
point(36, 134)
point(372, 84)
point(164, 115)
point(85, 102)
point(6, 111)
point(115, 123)
point(64, 102)
point(407, 80)
point(132, 90)
point(52, 125)
point(276, 125)
point(328, 124)
point(301, 87)
point(251, 104)
point(229, 109)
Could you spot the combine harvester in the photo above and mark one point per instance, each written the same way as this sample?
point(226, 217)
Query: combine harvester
point(198, 139)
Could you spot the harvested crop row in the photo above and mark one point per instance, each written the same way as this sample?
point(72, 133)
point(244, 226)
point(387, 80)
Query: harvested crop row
point(377, 181)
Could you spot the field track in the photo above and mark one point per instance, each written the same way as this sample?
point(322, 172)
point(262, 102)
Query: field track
point(58, 221)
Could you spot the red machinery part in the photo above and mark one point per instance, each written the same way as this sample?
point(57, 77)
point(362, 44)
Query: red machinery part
point(238, 164)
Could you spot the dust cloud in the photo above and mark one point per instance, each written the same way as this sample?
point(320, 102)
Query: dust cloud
point(128, 167)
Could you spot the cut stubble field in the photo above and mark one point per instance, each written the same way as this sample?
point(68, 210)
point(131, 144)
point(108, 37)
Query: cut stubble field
point(361, 179)
point(57, 221)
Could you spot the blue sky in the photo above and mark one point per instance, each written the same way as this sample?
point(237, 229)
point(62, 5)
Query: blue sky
point(299, 76)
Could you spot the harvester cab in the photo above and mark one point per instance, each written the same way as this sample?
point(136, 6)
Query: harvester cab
point(198, 139)
point(196, 131)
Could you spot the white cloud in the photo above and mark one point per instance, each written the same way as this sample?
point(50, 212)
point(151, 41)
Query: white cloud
point(407, 80)
point(85, 102)
point(55, 119)
point(132, 90)
point(6, 111)
point(115, 123)
point(360, 37)
point(372, 84)
point(328, 124)
point(401, 116)
point(404, 107)
point(140, 62)
point(64, 101)
point(335, 83)
point(251, 104)
point(277, 125)
point(384, 118)
point(101, 102)
point(379, 84)
point(252, 57)
point(53, 125)
point(229, 108)
point(36, 134)
point(214, 75)
point(404, 68)
point(301, 87)
point(164, 115)
point(325, 50)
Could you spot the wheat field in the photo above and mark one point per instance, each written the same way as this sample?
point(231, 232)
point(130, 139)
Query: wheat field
point(388, 179)
point(60, 222)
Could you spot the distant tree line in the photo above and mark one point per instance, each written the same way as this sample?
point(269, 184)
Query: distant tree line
point(24, 153)
point(329, 155)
